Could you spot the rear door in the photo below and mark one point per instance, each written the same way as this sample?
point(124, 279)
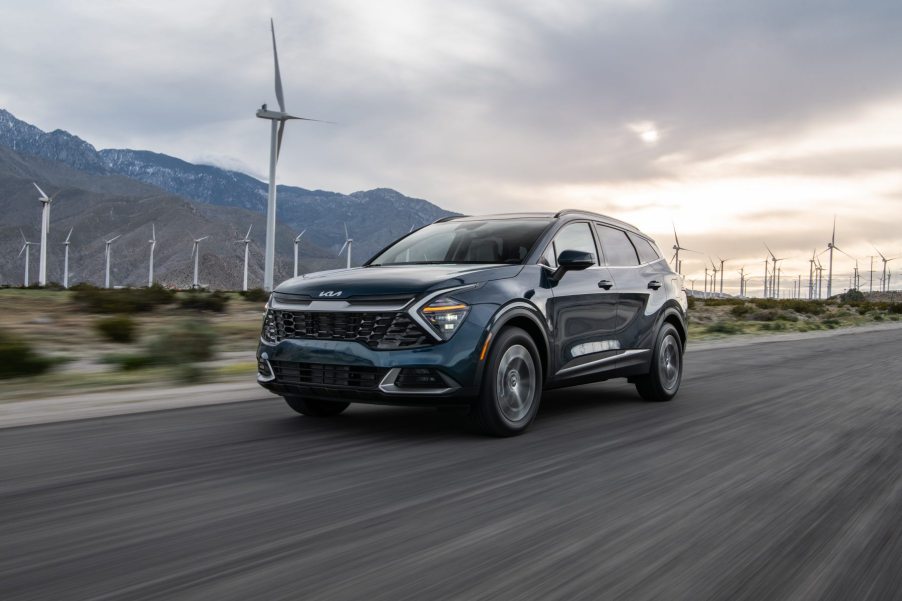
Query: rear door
point(583, 308)
point(639, 275)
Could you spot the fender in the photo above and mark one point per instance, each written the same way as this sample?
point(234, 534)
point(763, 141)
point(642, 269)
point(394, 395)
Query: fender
point(505, 313)
point(672, 307)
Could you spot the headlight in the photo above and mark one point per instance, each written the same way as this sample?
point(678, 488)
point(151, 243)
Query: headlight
point(445, 315)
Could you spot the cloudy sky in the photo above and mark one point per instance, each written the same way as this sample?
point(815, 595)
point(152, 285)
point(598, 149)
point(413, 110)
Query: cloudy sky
point(741, 122)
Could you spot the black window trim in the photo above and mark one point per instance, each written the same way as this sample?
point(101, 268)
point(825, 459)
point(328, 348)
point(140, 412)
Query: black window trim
point(599, 255)
point(627, 234)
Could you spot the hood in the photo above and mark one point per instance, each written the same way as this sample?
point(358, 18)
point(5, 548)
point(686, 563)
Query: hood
point(395, 280)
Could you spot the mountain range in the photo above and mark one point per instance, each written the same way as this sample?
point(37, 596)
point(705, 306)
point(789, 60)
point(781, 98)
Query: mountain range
point(104, 193)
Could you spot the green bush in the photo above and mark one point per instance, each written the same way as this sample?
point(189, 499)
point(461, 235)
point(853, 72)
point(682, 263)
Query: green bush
point(723, 327)
point(830, 323)
point(741, 311)
point(895, 308)
point(851, 296)
point(770, 315)
point(807, 307)
point(255, 295)
point(125, 300)
point(119, 328)
point(786, 316)
point(773, 327)
point(181, 346)
point(765, 303)
point(17, 358)
point(691, 302)
point(722, 302)
point(204, 301)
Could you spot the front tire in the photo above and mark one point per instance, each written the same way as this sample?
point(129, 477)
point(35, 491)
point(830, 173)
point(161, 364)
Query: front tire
point(314, 407)
point(511, 387)
point(663, 381)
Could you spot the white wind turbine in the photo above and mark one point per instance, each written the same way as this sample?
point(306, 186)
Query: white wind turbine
point(106, 280)
point(883, 277)
point(246, 240)
point(45, 229)
point(195, 252)
point(349, 242)
point(297, 242)
point(153, 246)
point(677, 248)
point(277, 119)
point(66, 260)
point(26, 248)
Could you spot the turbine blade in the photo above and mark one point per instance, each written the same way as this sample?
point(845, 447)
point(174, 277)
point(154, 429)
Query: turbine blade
point(23, 236)
point(43, 194)
point(275, 55)
point(279, 139)
point(248, 231)
point(153, 232)
point(69, 235)
point(346, 232)
point(24, 246)
point(675, 237)
point(343, 247)
point(298, 239)
point(115, 238)
point(833, 239)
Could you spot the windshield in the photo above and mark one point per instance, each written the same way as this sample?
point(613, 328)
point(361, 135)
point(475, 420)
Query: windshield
point(490, 241)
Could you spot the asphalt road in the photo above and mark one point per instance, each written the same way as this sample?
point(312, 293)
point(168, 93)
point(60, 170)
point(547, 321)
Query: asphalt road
point(776, 474)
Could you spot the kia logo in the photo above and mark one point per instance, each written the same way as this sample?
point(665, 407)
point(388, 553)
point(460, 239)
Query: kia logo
point(330, 293)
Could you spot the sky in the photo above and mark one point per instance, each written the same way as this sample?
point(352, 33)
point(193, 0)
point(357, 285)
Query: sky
point(742, 123)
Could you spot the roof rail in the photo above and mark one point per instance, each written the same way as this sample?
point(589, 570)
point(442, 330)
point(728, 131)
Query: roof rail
point(448, 218)
point(569, 211)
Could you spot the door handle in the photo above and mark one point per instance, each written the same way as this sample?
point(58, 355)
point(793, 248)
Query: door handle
point(654, 284)
point(606, 284)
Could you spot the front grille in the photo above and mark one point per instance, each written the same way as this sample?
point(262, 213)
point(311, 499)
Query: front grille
point(327, 375)
point(375, 330)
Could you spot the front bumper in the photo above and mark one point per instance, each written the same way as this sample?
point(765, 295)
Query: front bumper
point(353, 372)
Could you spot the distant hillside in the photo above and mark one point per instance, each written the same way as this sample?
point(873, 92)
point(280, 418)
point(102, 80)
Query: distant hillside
point(123, 191)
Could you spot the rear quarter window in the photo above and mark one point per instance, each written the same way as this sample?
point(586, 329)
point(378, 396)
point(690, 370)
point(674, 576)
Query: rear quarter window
point(617, 248)
point(647, 251)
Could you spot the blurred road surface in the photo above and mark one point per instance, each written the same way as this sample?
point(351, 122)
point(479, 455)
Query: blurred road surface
point(776, 474)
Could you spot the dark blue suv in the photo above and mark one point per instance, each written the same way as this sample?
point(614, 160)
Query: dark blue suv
point(482, 312)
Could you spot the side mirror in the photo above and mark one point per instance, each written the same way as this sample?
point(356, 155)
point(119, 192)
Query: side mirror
point(572, 260)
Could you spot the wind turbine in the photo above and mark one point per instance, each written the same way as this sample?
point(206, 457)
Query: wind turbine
point(195, 252)
point(153, 246)
point(297, 242)
point(831, 246)
point(883, 287)
point(277, 122)
point(246, 240)
point(106, 281)
point(722, 261)
point(775, 283)
point(742, 281)
point(349, 242)
point(811, 263)
point(677, 248)
point(45, 229)
point(714, 276)
point(66, 260)
point(26, 248)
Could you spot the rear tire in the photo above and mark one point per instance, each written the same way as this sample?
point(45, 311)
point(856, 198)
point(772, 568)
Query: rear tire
point(315, 407)
point(511, 387)
point(662, 383)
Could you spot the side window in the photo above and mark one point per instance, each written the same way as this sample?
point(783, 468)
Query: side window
point(647, 252)
point(575, 236)
point(618, 250)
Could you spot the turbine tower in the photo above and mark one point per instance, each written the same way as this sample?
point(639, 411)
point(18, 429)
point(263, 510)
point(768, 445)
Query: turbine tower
point(66, 260)
point(195, 252)
point(26, 248)
point(153, 246)
point(246, 240)
point(106, 280)
point(830, 246)
point(722, 261)
point(297, 242)
point(277, 128)
point(349, 242)
point(45, 229)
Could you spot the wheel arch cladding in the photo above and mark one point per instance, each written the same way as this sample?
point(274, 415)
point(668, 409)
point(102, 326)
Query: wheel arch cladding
point(672, 318)
point(534, 331)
